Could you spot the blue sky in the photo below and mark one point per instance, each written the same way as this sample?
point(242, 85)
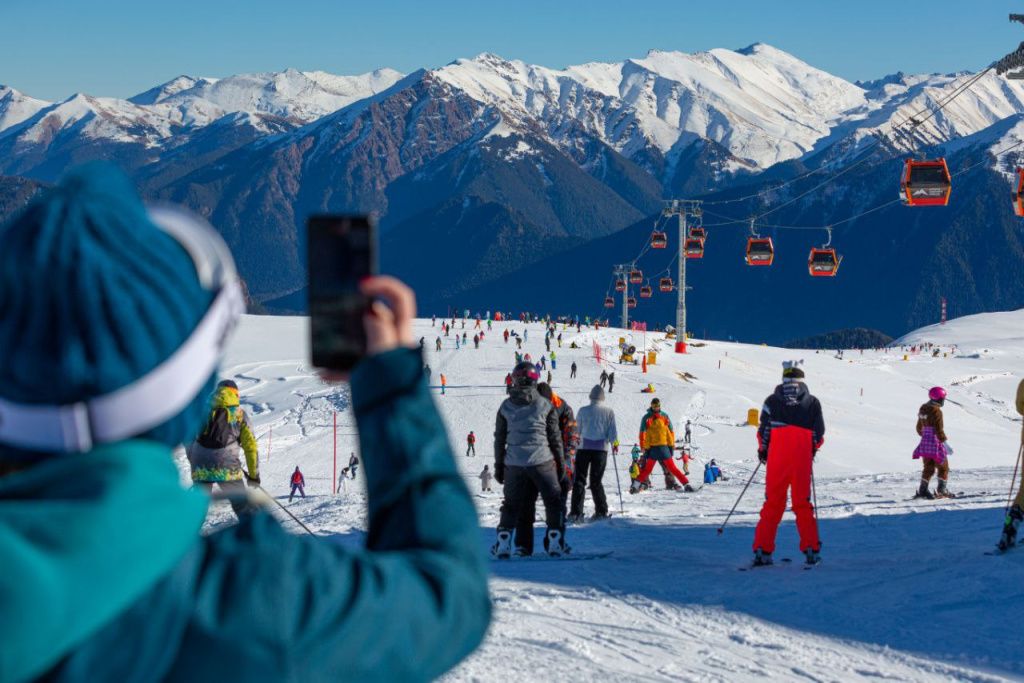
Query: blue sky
point(53, 48)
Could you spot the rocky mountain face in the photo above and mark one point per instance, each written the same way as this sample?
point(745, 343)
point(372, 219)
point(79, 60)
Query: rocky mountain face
point(491, 175)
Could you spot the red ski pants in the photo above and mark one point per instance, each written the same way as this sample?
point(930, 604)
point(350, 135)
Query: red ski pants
point(788, 469)
point(670, 465)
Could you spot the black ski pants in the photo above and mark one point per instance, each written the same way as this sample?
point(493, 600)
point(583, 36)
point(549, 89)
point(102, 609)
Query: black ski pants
point(518, 509)
point(592, 463)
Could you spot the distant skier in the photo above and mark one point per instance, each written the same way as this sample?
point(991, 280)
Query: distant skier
point(554, 361)
point(343, 480)
point(508, 382)
point(353, 464)
point(559, 340)
point(458, 343)
point(611, 381)
point(933, 447)
point(485, 479)
point(572, 370)
point(476, 341)
point(687, 434)
point(1016, 513)
point(604, 378)
point(437, 344)
point(657, 439)
point(471, 444)
point(298, 484)
point(444, 383)
point(214, 455)
point(505, 335)
point(791, 432)
point(426, 372)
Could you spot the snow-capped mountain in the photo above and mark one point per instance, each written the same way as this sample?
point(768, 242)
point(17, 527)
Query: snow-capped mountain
point(15, 107)
point(40, 139)
point(499, 164)
point(296, 95)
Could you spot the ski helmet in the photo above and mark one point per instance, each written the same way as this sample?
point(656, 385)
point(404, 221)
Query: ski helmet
point(525, 374)
point(937, 394)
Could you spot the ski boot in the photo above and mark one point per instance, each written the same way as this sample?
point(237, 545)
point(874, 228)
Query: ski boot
point(502, 548)
point(1009, 537)
point(674, 487)
point(942, 491)
point(554, 543)
point(762, 559)
point(812, 557)
point(598, 516)
point(575, 519)
point(923, 492)
point(634, 487)
point(689, 489)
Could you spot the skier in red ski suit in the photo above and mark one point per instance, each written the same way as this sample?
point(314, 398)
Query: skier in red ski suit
point(791, 432)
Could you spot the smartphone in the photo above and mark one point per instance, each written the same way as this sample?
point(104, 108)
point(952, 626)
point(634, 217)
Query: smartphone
point(342, 252)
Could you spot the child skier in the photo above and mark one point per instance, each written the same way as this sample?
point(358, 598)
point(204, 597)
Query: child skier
point(471, 444)
point(933, 448)
point(485, 479)
point(298, 484)
point(1016, 513)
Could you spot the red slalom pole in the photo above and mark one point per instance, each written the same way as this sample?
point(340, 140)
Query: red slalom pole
point(334, 479)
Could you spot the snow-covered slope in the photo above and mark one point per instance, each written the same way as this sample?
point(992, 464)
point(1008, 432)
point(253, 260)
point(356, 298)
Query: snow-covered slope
point(905, 592)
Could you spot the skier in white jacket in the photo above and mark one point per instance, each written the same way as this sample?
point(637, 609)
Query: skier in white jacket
point(596, 425)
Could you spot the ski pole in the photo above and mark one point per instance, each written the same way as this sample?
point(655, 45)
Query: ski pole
point(615, 464)
point(1013, 480)
point(814, 494)
point(742, 493)
point(286, 510)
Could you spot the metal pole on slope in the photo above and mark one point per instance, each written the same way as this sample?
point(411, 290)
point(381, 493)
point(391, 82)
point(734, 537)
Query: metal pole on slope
point(334, 478)
point(742, 493)
point(287, 511)
point(1013, 480)
point(681, 301)
point(618, 485)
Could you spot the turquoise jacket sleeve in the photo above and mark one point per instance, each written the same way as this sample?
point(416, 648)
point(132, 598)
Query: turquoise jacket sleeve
point(407, 607)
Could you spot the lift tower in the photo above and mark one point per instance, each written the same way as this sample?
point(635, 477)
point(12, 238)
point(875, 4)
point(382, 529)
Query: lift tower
point(681, 209)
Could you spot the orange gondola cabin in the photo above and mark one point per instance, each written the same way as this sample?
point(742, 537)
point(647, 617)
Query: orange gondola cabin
point(925, 183)
point(631, 302)
point(636, 276)
point(646, 292)
point(823, 262)
point(659, 240)
point(698, 233)
point(665, 284)
point(694, 248)
point(760, 251)
point(609, 302)
point(620, 285)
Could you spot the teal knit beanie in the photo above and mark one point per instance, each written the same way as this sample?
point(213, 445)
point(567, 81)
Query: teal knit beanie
point(93, 296)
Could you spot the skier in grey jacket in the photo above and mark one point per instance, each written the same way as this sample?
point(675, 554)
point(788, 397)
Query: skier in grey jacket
point(596, 424)
point(528, 459)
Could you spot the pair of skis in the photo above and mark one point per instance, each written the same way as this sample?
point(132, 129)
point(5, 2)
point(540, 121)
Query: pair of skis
point(784, 560)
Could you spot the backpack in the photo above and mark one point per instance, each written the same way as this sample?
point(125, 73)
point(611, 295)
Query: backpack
point(218, 433)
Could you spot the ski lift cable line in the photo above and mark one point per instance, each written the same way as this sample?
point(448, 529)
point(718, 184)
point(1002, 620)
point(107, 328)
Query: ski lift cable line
point(909, 119)
point(849, 168)
point(888, 203)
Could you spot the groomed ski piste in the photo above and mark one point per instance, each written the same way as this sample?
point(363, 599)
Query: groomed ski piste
point(905, 591)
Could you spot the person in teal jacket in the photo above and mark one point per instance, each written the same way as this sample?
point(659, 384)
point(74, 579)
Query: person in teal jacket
point(105, 575)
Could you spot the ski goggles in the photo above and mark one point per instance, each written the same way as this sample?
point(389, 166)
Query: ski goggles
point(164, 391)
